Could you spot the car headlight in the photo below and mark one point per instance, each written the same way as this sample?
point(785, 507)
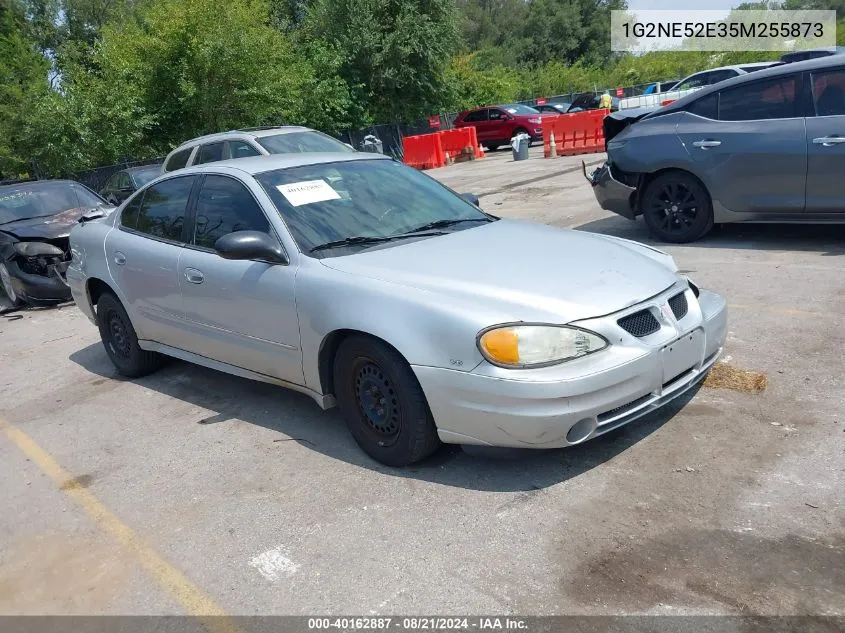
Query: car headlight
point(536, 121)
point(519, 346)
point(36, 249)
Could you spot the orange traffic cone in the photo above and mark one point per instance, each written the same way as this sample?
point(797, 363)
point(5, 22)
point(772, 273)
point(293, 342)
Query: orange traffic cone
point(552, 146)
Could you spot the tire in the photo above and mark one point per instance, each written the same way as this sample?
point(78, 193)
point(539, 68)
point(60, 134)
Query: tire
point(6, 286)
point(382, 402)
point(120, 340)
point(677, 208)
point(492, 147)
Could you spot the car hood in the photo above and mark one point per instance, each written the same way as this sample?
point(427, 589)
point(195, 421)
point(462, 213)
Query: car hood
point(51, 227)
point(524, 271)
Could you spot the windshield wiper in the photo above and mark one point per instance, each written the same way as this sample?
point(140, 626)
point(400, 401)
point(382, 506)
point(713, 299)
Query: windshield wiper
point(34, 217)
point(369, 239)
point(442, 224)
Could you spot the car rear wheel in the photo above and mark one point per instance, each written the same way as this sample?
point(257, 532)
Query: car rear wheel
point(677, 208)
point(382, 402)
point(6, 285)
point(120, 340)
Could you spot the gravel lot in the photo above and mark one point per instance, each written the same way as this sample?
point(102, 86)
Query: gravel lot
point(190, 490)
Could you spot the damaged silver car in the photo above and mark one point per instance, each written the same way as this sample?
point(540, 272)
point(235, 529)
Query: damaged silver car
point(35, 222)
point(370, 286)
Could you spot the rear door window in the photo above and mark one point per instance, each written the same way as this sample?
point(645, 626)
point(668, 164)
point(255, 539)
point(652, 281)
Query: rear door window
point(178, 160)
point(162, 211)
point(210, 153)
point(768, 99)
point(829, 92)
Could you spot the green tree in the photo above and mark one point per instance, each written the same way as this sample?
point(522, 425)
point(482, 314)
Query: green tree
point(393, 53)
point(23, 81)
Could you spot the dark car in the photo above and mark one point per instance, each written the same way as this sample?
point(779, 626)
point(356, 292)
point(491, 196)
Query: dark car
point(591, 101)
point(35, 221)
point(127, 181)
point(812, 53)
point(762, 147)
point(553, 108)
point(497, 125)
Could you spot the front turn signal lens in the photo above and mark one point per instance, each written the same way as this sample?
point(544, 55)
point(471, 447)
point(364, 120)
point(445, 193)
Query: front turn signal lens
point(522, 346)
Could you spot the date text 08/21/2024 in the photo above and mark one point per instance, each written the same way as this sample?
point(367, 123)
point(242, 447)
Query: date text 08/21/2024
point(432, 623)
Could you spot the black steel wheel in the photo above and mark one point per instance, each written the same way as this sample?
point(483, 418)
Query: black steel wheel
point(382, 402)
point(677, 208)
point(120, 340)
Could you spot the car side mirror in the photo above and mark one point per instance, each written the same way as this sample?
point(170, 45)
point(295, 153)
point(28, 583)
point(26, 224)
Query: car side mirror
point(471, 198)
point(243, 245)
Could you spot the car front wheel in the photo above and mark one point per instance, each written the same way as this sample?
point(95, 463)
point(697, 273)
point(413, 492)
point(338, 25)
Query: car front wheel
point(677, 208)
point(382, 402)
point(120, 340)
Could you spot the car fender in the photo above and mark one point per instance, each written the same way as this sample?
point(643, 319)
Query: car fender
point(427, 328)
point(89, 261)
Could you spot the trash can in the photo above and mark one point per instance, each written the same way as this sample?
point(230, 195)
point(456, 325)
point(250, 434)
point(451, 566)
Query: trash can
point(372, 144)
point(519, 145)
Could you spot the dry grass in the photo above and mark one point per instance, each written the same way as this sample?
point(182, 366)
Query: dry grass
point(724, 376)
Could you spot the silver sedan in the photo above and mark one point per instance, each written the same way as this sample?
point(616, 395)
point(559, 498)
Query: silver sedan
point(371, 287)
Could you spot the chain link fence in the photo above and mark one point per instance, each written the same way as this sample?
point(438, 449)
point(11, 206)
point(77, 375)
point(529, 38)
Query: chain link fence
point(95, 179)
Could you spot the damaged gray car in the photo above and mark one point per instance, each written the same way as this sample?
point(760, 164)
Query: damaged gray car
point(763, 147)
point(35, 222)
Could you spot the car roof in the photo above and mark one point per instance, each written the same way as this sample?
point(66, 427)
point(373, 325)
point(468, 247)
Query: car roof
point(259, 164)
point(132, 170)
point(819, 63)
point(253, 132)
point(734, 67)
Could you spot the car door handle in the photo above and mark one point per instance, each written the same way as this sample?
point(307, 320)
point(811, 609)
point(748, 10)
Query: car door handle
point(119, 258)
point(829, 141)
point(706, 144)
point(194, 276)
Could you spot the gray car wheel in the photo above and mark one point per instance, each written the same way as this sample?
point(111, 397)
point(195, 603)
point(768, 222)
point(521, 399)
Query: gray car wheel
point(677, 208)
point(6, 283)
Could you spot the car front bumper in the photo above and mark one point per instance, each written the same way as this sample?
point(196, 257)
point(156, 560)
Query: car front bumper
point(570, 403)
point(34, 288)
point(611, 194)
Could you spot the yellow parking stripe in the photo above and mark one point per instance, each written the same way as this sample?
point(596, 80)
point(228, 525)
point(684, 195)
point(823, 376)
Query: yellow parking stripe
point(196, 602)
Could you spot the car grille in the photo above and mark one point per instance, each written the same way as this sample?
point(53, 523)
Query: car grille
point(679, 306)
point(640, 323)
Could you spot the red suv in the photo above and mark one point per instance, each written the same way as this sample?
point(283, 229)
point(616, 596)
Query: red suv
point(497, 125)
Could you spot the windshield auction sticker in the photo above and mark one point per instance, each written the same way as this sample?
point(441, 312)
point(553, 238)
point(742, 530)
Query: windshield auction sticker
point(308, 192)
point(635, 31)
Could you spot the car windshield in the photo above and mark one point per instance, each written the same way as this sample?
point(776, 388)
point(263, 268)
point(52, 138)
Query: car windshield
point(27, 201)
point(331, 202)
point(301, 143)
point(143, 176)
point(518, 108)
